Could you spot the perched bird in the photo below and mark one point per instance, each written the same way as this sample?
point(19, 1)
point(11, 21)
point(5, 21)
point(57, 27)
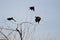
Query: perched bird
point(11, 19)
point(32, 8)
point(37, 19)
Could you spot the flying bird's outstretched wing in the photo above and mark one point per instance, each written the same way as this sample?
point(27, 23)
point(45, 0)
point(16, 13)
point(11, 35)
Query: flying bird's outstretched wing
point(11, 19)
point(32, 8)
point(37, 19)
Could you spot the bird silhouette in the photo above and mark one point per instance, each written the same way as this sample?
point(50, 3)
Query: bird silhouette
point(11, 18)
point(32, 8)
point(37, 19)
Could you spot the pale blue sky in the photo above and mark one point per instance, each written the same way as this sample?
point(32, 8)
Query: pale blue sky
point(49, 10)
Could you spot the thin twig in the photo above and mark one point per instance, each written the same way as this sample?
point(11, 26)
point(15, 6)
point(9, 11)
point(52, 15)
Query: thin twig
point(8, 29)
point(20, 33)
point(4, 35)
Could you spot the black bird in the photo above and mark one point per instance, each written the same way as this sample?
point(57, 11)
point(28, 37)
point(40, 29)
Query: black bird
point(11, 19)
point(32, 8)
point(37, 19)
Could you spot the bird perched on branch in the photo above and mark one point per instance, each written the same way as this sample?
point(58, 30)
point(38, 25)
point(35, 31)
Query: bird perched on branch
point(11, 19)
point(37, 19)
point(32, 8)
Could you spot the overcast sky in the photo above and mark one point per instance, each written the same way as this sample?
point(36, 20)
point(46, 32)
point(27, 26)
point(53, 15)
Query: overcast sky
point(48, 10)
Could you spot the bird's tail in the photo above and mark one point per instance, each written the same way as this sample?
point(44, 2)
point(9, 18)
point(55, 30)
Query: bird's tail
point(14, 20)
point(38, 22)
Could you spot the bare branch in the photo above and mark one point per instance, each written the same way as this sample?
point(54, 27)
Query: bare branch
point(4, 35)
point(8, 29)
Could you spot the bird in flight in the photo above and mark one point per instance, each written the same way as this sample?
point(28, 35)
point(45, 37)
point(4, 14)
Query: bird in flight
point(32, 8)
point(11, 18)
point(37, 19)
